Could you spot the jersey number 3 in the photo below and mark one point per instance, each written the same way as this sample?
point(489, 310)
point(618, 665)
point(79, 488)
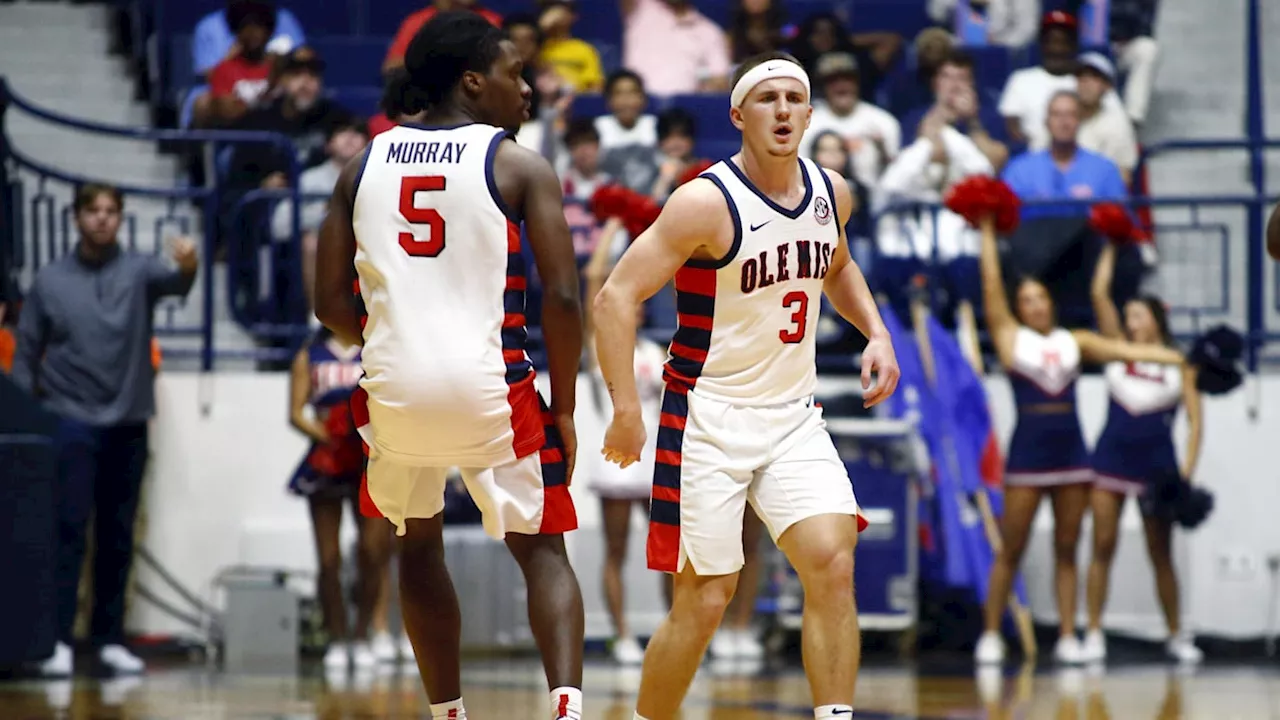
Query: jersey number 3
point(409, 189)
point(799, 318)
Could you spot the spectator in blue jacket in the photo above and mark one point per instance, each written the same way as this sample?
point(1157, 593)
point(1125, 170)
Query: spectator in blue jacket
point(1064, 170)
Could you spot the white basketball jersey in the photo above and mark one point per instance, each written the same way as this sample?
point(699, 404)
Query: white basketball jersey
point(443, 281)
point(747, 322)
point(1051, 362)
point(1144, 388)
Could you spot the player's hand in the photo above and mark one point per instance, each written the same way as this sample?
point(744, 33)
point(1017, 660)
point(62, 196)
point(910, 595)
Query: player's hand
point(183, 252)
point(624, 439)
point(569, 438)
point(879, 359)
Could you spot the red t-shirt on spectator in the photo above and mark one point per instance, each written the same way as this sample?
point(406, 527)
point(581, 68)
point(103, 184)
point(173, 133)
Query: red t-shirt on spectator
point(240, 77)
point(379, 124)
point(414, 23)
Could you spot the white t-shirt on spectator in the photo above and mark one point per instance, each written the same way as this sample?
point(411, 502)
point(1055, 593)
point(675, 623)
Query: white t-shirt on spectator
point(857, 128)
point(1110, 134)
point(612, 134)
point(914, 177)
point(1027, 94)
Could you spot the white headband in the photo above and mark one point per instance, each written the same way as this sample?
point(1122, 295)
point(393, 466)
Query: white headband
point(767, 71)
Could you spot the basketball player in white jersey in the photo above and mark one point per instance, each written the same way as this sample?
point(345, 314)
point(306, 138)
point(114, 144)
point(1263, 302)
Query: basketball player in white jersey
point(753, 243)
point(429, 216)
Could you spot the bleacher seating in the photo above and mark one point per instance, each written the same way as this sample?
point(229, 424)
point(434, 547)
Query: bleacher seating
point(353, 36)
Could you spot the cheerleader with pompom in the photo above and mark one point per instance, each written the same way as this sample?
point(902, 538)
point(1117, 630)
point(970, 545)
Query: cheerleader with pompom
point(1135, 455)
point(324, 375)
point(1047, 454)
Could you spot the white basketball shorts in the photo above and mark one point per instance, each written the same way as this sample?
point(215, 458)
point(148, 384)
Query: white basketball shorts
point(528, 496)
point(713, 458)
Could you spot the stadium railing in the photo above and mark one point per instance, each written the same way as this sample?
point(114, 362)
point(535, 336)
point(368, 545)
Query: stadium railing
point(42, 231)
point(39, 230)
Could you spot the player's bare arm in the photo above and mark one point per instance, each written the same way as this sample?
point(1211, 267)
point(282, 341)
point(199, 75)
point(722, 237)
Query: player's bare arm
point(526, 181)
point(1273, 234)
point(335, 260)
point(847, 290)
point(695, 212)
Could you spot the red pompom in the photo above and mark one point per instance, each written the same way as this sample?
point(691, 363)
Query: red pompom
point(609, 201)
point(980, 196)
point(643, 212)
point(694, 171)
point(637, 212)
point(1113, 222)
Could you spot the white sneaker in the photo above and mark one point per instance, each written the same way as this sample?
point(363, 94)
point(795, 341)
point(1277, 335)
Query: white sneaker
point(1068, 650)
point(1183, 649)
point(337, 657)
point(384, 648)
point(120, 660)
point(724, 645)
point(406, 650)
point(989, 650)
point(749, 646)
point(627, 651)
point(60, 663)
point(1094, 648)
point(362, 657)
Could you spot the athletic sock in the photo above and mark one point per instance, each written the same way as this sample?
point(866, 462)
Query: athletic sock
point(566, 702)
point(839, 712)
point(638, 716)
point(451, 710)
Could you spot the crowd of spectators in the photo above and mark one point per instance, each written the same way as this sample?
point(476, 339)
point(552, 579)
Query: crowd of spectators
point(1061, 129)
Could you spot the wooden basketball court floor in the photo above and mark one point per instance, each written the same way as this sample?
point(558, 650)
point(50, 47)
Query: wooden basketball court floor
point(515, 690)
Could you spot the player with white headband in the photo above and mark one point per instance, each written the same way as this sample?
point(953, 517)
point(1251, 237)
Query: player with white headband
point(753, 244)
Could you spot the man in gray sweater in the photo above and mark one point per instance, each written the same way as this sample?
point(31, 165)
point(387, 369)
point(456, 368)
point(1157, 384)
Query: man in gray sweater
point(84, 350)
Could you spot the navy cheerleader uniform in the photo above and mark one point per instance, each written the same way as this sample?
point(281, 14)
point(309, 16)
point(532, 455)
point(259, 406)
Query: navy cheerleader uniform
point(333, 469)
point(1136, 447)
point(1047, 446)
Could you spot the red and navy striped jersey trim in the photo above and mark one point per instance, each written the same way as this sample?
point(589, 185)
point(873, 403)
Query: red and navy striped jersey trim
point(695, 312)
point(514, 335)
point(663, 549)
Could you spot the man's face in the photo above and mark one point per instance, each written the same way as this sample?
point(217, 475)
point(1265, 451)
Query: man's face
point(525, 38)
point(951, 81)
point(504, 95)
point(585, 156)
point(302, 88)
point(253, 39)
point(1091, 86)
point(345, 145)
point(842, 93)
point(774, 116)
point(676, 145)
point(626, 101)
point(1064, 119)
point(99, 221)
point(1058, 50)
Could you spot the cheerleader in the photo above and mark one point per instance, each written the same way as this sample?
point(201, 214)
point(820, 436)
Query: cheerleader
point(324, 374)
point(1047, 454)
point(622, 490)
point(1136, 451)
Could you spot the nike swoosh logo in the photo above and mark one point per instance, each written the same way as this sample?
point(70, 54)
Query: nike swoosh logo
point(757, 227)
point(841, 712)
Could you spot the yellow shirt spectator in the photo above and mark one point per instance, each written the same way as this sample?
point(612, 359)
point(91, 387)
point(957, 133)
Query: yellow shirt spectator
point(576, 61)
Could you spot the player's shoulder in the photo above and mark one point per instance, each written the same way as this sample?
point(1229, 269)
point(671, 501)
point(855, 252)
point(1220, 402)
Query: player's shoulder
point(703, 198)
point(511, 157)
point(840, 191)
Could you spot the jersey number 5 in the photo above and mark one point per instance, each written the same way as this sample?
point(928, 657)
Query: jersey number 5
point(799, 318)
point(409, 189)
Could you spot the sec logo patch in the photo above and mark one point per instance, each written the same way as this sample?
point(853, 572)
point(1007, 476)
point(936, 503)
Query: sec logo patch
point(822, 211)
